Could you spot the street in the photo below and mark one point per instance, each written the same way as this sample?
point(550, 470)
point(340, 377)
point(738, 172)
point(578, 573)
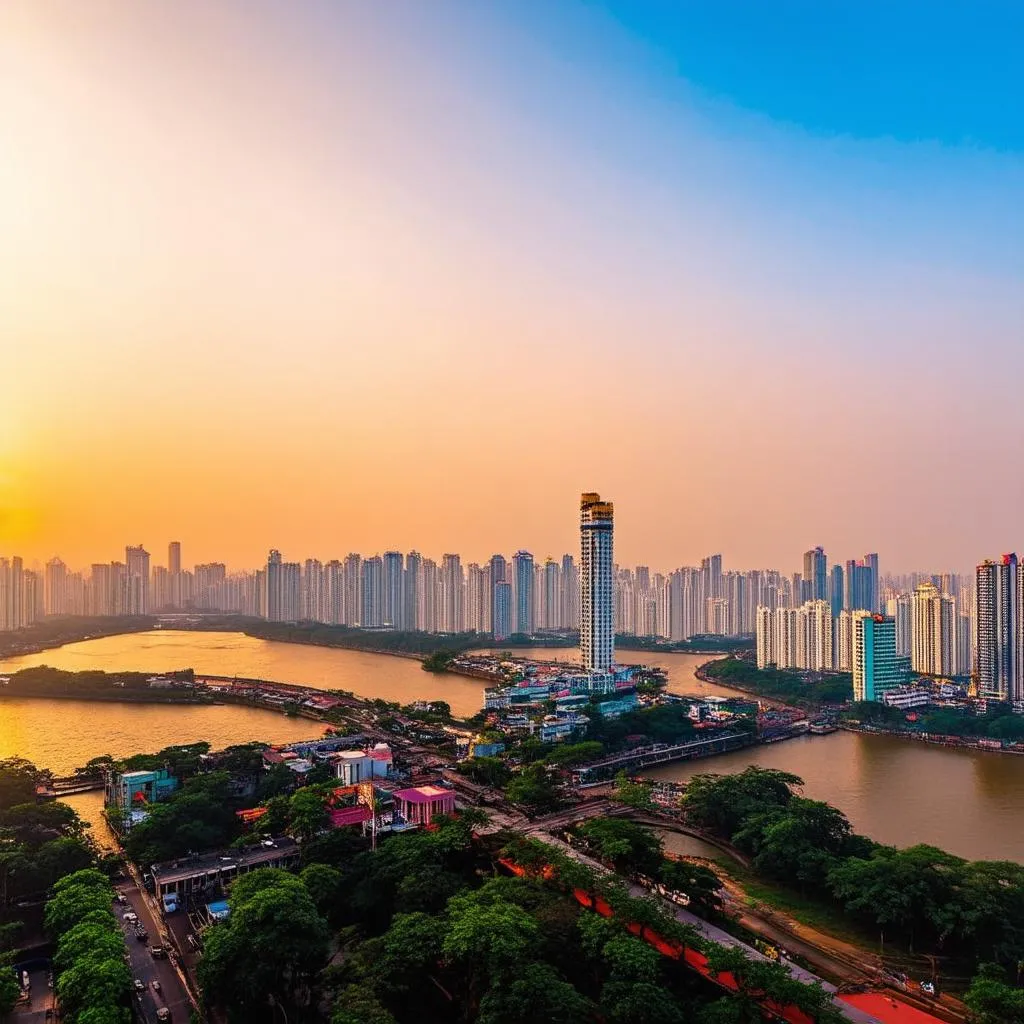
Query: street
point(144, 967)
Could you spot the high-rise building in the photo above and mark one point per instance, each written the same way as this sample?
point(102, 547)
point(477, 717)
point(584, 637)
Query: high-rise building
point(174, 595)
point(814, 585)
point(136, 593)
point(478, 605)
point(393, 591)
point(932, 631)
point(55, 596)
point(570, 597)
point(502, 626)
point(453, 586)
point(412, 583)
point(551, 603)
point(372, 593)
point(273, 585)
point(876, 666)
point(522, 580)
point(999, 629)
point(498, 571)
point(353, 589)
point(597, 614)
point(837, 592)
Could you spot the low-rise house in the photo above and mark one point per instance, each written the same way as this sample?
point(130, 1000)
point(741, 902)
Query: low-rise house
point(128, 790)
point(419, 805)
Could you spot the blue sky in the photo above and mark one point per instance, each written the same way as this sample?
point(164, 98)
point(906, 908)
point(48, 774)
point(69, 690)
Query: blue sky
point(910, 71)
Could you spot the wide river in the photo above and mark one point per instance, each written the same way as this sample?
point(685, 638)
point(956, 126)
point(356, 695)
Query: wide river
point(896, 791)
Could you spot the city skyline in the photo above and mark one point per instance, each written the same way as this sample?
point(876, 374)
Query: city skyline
point(370, 256)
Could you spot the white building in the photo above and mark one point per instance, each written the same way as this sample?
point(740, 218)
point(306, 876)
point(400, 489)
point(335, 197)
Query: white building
point(597, 614)
point(933, 631)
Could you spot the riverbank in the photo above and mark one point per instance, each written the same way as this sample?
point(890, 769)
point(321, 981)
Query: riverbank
point(939, 740)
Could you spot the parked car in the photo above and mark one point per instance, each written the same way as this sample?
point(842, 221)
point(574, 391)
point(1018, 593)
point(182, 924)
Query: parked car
point(131, 917)
point(139, 987)
point(158, 952)
point(163, 1013)
point(156, 985)
point(121, 898)
point(141, 934)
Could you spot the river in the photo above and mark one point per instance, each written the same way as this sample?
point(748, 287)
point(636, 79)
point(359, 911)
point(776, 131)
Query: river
point(896, 791)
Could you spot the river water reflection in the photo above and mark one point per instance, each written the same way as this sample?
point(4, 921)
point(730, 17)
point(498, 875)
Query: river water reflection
point(896, 791)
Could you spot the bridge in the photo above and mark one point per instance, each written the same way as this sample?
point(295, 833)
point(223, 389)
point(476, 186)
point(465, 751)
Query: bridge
point(645, 757)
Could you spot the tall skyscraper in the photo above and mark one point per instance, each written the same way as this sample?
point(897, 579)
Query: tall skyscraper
point(814, 586)
point(522, 578)
point(1000, 588)
point(453, 586)
point(597, 614)
point(174, 596)
point(273, 602)
point(372, 593)
point(393, 593)
point(502, 626)
point(498, 571)
point(570, 613)
point(876, 666)
point(932, 631)
point(413, 562)
point(55, 587)
point(837, 593)
point(136, 597)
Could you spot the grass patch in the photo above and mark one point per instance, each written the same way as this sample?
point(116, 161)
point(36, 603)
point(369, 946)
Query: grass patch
point(825, 917)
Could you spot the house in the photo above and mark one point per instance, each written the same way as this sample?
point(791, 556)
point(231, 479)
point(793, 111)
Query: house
point(128, 790)
point(355, 766)
point(421, 804)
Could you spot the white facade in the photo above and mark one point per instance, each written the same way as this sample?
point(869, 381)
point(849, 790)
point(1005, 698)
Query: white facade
point(933, 634)
point(597, 614)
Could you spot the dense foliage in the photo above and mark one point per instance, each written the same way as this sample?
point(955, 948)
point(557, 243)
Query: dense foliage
point(999, 721)
point(93, 981)
point(928, 899)
point(54, 682)
point(782, 684)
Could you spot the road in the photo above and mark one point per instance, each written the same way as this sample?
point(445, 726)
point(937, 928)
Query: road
point(40, 999)
point(144, 967)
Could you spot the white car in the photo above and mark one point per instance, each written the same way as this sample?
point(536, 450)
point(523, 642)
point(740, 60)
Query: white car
point(131, 917)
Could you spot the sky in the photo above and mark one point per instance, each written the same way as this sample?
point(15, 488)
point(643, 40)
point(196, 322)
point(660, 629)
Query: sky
point(332, 276)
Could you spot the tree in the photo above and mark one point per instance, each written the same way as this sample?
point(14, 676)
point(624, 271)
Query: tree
point(269, 947)
point(992, 1000)
point(800, 841)
point(633, 794)
point(628, 847)
point(307, 812)
point(17, 782)
point(722, 803)
point(324, 885)
point(358, 1004)
point(535, 995)
point(534, 790)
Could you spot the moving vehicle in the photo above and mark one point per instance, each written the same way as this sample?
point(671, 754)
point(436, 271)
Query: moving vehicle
point(156, 985)
point(163, 1013)
point(158, 952)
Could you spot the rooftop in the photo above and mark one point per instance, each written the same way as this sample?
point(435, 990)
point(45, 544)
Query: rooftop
point(422, 794)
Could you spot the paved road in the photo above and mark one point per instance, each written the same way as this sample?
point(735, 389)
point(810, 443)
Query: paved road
point(172, 992)
point(40, 999)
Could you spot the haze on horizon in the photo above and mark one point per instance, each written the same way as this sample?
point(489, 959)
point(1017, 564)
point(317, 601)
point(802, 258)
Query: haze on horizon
point(339, 276)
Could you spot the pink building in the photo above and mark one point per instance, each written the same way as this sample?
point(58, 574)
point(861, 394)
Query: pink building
point(420, 804)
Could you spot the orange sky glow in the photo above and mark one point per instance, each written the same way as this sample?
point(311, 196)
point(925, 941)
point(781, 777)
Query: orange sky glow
point(336, 281)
